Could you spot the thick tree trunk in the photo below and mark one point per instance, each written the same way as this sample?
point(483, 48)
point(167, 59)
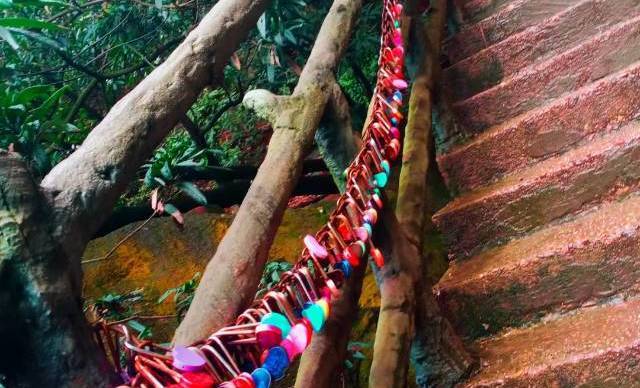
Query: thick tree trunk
point(231, 278)
point(43, 333)
point(438, 355)
point(397, 305)
point(85, 186)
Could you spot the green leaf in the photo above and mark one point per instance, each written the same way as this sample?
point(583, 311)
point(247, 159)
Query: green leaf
point(6, 3)
point(148, 177)
point(40, 2)
point(27, 23)
point(359, 356)
point(271, 73)
point(289, 35)
point(262, 26)
point(165, 295)
point(48, 103)
point(166, 171)
point(193, 191)
point(7, 37)
point(189, 163)
point(26, 95)
point(136, 325)
point(169, 208)
point(38, 37)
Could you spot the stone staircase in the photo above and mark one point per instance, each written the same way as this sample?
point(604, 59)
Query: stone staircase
point(544, 233)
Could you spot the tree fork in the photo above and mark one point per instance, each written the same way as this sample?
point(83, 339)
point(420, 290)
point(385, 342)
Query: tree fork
point(336, 141)
point(438, 354)
point(231, 278)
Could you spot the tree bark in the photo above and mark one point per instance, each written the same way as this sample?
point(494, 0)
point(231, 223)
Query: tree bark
point(43, 332)
point(231, 278)
point(85, 186)
point(437, 353)
point(397, 305)
point(323, 361)
point(335, 138)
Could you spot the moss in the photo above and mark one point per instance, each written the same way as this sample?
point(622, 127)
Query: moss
point(491, 74)
point(486, 316)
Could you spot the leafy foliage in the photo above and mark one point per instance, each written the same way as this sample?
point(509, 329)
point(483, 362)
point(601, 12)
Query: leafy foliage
point(64, 65)
point(271, 274)
point(182, 295)
point(115, 307)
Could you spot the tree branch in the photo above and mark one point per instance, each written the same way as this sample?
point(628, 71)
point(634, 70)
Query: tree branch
point(194, 132)
point(226, 194)
point(335, 138)
point(82, 97)
point(243, 250)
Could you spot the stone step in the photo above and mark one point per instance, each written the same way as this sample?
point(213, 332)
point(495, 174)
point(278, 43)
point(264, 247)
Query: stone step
point(494, 64)
point(472, 11)
point(554, 270)
point(599, 170)
point(515, 17)
point(597, 347)
point(599, 107)
point(534, 86)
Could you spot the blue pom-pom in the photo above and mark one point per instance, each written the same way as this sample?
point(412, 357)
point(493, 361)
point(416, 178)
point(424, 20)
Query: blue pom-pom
point(261, 378)
point(276, 362)
point(345, 267)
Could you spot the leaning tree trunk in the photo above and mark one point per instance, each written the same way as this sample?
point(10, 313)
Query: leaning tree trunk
point(231, 278)
point(44, 230)
point(438, 355)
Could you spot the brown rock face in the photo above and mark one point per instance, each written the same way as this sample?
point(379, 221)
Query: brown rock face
point(161, 256)
point(545, 235)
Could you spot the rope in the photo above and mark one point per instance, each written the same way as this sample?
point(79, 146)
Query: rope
point(258, 348)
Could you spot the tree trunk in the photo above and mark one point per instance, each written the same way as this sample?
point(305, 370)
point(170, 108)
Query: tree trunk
point(437, 353)
point(335, 138)
point(86, 185)
point(397, 305)
point(231, 278)
point(43, 332)
point(323, 361)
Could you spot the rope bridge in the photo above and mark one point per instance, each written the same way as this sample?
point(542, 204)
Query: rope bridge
point(278, 327)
